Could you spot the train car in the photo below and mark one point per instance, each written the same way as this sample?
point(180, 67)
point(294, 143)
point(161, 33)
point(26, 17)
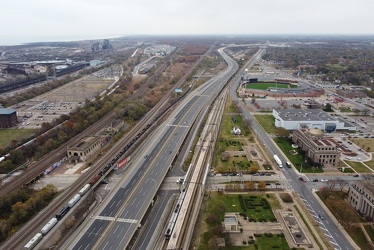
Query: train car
point(62, 212)
point(84, 190)
point(49, 226)
point(74, 200)
point(94, 180)
point(33, 242)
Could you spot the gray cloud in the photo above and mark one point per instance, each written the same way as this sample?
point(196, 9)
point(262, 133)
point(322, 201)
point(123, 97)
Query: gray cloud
point(48, 19)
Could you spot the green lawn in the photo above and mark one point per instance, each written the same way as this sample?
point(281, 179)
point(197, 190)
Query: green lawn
point(257, 209)
point(219, 203)
point(370, 164)
point(265, 86)
point(285, 145)
point(358, 166)
point(370, 230)
point(345, 214)
point(266, 243)
point(7, 135)
point(234, 163)
point(359, 237)
point(267, 122)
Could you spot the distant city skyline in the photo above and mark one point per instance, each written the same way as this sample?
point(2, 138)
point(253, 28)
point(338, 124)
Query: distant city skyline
point(41, 20)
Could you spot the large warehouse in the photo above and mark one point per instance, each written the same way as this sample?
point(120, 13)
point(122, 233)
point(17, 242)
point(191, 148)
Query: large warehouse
point(8, 117)
point(292, 119)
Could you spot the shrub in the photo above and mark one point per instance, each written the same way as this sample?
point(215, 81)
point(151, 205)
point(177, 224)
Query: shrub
point(244, 242)
point(257, 235)
point(251, 241)
point(268, 195)
point(280, 235)
point(251, 219)
point(286, 197)
point(268, 234)
point(256, 246)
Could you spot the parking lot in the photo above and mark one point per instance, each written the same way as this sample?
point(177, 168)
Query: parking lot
point(63, 100)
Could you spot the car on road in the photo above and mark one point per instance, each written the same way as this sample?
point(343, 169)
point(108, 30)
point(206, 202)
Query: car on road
point(356, 175)
point(315, 180)
point(302, 179)
point(321, 216)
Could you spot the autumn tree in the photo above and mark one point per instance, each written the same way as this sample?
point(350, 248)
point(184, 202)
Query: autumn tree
point(253, 169)
point(261, 185)
point(250, 185)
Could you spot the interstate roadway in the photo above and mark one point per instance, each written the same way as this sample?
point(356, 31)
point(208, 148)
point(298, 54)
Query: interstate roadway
point(113, 225)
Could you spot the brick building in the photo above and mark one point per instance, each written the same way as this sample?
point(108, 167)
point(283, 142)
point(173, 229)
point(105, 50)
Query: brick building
point(317, 146)
point(8, 118)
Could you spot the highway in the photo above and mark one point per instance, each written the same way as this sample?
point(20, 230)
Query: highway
point(115, 223)
point(332, 231)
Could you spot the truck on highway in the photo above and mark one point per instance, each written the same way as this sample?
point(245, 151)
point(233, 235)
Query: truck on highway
point(278, 161)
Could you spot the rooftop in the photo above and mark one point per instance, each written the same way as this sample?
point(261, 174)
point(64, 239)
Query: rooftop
point(305, 114)
point(6, 111)
point(367, 184)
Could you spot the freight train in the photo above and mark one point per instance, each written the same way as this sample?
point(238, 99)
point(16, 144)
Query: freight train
point(64, 210)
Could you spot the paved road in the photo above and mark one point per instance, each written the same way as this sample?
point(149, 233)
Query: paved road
point(333, 233)
point(117, 221)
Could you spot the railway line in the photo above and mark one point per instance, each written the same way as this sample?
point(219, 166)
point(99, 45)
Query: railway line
point(177, 235)
point(37, 169)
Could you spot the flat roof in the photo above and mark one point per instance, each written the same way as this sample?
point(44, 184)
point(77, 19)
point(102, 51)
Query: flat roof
point(305, 115)
point(368, 184)
point(6, 111)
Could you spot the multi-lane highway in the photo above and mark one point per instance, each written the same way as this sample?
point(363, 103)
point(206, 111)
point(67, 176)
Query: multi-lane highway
point(332, 231)
point(115, 223)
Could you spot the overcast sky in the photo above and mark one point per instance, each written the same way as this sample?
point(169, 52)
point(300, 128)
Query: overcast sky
point(50, 20)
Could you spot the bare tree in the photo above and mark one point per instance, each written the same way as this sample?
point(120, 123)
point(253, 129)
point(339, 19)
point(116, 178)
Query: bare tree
point(331, 184)
point(365, 111)
point(367, 176)
point(341, 183)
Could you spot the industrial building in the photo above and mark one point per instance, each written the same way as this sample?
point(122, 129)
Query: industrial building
point(361, 198)
point(8, 117)
point(84, 149)
point(292, 119)
point(319, 149)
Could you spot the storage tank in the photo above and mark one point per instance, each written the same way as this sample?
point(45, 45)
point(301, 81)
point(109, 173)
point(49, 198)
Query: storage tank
point(49, 226)
point(33, 242)
point(75, 199)
point(84, 190)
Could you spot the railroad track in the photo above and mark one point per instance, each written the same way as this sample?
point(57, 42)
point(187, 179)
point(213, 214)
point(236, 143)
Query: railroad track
point(22, 236)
